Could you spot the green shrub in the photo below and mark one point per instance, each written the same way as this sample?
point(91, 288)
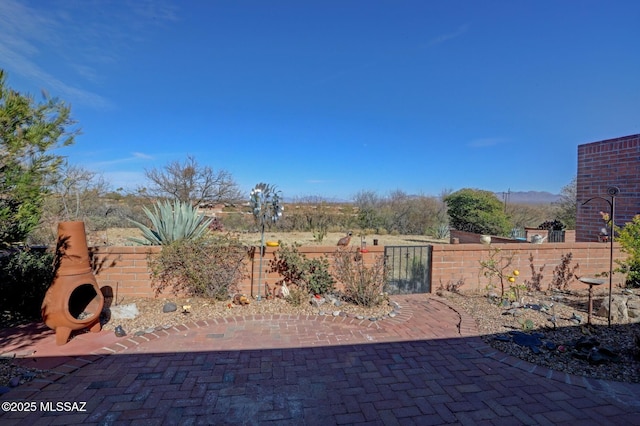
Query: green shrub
point(363, 285)
point(629, 239)
point(297, 296)
point(172, 223)
point(25, 276)
point(207, 267)
point(310, 275)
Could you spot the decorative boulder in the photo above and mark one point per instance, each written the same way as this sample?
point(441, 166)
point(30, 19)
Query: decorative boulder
point(633, 308)
point(619, 310)
point(129, 311)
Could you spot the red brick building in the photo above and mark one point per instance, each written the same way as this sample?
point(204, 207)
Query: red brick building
point(601, 166)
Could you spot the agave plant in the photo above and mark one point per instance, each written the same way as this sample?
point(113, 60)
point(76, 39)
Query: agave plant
point(171, 222)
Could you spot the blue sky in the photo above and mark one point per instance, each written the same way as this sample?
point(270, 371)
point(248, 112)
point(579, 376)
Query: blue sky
point(329, 97)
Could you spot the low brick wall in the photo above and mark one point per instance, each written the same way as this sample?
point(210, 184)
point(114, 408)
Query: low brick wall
point(454, 262)
point(124, 269)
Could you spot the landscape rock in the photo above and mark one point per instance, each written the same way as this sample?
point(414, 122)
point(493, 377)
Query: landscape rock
point(619, 312)
point(119, 331)
point(317, 302)
point(633, 309)
point(129, 311)
point(169, 307)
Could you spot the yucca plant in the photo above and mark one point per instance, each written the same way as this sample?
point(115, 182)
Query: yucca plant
point(171, 223)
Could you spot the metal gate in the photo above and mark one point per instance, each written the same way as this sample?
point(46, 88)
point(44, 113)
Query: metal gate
point(408, 269)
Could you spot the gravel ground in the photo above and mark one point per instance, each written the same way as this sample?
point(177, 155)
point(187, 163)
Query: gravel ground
point(496, 323)
point(152, 315)
point(558, 349)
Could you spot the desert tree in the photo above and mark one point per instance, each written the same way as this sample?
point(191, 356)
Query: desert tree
point(478, 211)
point(30, 134)
point(368, 204)
point(76, 192)
point(567, 206)
point(190, 182)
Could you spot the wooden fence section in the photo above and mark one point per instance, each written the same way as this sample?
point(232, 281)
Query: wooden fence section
point(124, 270)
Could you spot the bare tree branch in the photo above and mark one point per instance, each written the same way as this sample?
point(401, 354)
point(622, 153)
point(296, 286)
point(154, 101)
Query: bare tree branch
point(192, 183)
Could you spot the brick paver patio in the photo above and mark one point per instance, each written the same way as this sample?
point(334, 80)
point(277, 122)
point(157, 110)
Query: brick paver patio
point(426, 366)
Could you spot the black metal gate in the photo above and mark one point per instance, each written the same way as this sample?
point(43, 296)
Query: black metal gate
point(408, 269)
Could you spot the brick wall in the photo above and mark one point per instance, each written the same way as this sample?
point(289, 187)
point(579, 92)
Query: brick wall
point(612, 162)
point(123, 270)
point(455, 262)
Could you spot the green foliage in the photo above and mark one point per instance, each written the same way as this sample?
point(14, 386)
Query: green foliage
point(208, 267)
point(297, 296)
point(527, 324)
point(368, 204)
point(320, 233)
point(567, 207)
point(172, 223)
point(29, 135)
point(25, 276)
point(363, 285)
point(629, 239)
point(309, 275)
point(478, 211)
point(441, 231)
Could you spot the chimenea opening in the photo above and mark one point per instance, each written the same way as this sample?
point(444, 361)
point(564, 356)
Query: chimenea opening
point(84, 302)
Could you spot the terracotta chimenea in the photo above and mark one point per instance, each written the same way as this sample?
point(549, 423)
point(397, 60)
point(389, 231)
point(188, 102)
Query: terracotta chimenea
point(73, 301)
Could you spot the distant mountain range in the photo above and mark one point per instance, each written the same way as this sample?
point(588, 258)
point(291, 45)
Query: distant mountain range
point(529, 197)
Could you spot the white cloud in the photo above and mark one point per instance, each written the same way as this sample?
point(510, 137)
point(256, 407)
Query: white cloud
point(485, 142)
point(81, 37)
point(142, 156)
point(445, 37)
point(135, 157)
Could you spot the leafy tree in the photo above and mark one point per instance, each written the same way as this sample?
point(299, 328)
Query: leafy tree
point(567, 206)
point(478, 211)
point(29, 133)
point(189, 182)
point(368, 204)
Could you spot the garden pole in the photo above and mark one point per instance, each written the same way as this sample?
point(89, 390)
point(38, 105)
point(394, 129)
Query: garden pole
point(259, 297)
point(613, 215)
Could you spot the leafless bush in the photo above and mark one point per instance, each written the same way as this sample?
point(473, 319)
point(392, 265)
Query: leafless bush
point(535, 283)
point(564, 273)
point(363, 285)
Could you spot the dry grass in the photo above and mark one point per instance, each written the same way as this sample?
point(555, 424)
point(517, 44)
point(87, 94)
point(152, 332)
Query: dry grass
point(119, 236)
